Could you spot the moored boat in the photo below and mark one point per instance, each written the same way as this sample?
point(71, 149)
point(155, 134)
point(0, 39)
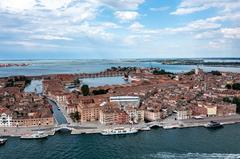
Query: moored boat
point(214, 125)
point(119, 131)
point(38, 135)
point(3, 141)
point(146, 128)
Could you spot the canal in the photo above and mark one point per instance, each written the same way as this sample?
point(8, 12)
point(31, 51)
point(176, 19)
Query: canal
point(58, 115)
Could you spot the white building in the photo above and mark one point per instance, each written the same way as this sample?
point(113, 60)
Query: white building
point(182, 114)
point(125, 101)
point(5, 120)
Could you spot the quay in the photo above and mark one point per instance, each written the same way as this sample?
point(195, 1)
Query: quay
point(96, 128)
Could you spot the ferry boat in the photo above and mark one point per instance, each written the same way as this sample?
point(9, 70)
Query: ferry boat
point(214, 125)
point(3, 141)
point(38, 135)
point(119, 131)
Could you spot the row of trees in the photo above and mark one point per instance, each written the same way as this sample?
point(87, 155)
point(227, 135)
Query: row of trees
point(234, 86)
point(161, 72)
point(86, 92)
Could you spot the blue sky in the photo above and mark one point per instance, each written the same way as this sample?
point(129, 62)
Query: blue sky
point(119, 28)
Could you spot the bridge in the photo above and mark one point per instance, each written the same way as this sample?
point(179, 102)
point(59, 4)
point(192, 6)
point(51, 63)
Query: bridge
point(154, 123)
point(64, 127)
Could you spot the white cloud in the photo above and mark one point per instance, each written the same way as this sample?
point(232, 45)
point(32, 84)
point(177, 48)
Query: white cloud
point(28, 44)
point(231, 33)
point(17, 5)
point(122, 4)
point(216, 44)
point(50, 37)
point(54, 4)
point(136, 26)
point(190, 6)
point(126, 15)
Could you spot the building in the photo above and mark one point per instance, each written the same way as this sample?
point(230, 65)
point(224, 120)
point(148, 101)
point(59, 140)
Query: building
point(109, 115)
point(89, 110)
point(135, 115)
point(125, 101)
point(5, 120)
point(211, 110)
point(151, 115)
point(183, 113)
point(226, 109)
point(29, 122)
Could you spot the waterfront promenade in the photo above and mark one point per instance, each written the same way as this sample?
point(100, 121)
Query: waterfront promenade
point(96, 127)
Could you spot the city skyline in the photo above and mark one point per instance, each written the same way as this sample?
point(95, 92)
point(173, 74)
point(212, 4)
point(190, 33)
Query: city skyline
point(42, 29)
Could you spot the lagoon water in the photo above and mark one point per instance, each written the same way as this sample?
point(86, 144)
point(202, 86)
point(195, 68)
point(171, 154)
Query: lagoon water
point(41, 67)
point(194, 143)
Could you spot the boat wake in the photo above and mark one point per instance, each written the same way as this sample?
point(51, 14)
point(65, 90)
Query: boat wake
point(168, 155)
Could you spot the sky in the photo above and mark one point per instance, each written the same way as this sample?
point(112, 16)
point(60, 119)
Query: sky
point(93, 29)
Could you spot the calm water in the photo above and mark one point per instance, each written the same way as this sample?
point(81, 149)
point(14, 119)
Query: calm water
point(95, 82)
point(40, 67)
point(197, 143)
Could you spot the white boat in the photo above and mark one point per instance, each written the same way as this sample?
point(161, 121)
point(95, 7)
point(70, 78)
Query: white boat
point(38, 135)
point(3, 141)
point(146, 128)
point(119, 131)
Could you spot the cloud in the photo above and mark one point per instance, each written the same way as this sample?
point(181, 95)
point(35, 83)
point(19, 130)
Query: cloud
point(16, 5)
point(136, 26)
point(28, 44)
point(50, 37)
point(190, 6)
point(217, 43)
point(59, 20)
point(122, 4)
point(231, 33)
point(54, 4)
point(126, 15)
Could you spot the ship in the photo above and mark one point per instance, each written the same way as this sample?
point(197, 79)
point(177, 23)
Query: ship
point(3, 141)
point(38, 135)
point(119, 131)
point(214, 125)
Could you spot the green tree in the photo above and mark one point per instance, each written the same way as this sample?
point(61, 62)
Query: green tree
point(75, 116)
point(236, 86)
point(228, 86)
point(217, 73)
point(85, 90)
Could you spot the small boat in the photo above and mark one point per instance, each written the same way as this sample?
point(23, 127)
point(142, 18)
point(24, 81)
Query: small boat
point(58, 108)
point(146, 128)
point(214, 125)
point(3, 141)
point(38, 135)
point(119, 131)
